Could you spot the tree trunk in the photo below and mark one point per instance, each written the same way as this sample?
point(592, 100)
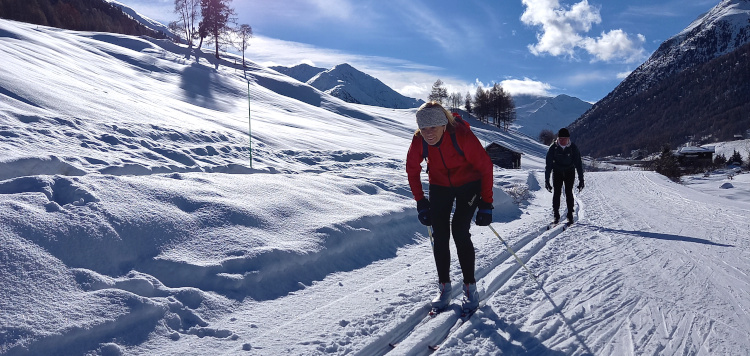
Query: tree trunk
point(216, 40)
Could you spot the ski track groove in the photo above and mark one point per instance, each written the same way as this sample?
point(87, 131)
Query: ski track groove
point(446, 329)
point(629, 325)
point(463, 330)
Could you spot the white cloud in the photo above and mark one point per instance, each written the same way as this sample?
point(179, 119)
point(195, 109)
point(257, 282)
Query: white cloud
point(526, 86)
point(563, 30)
point(616, 44)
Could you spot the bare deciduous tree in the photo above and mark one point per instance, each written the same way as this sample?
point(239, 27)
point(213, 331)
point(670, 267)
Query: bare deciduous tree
point(546, 137)
point(242, 40)
point(188, 21)
point(455, 99)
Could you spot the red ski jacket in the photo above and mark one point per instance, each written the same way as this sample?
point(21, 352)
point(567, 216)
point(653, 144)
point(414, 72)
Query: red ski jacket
point(447, 167)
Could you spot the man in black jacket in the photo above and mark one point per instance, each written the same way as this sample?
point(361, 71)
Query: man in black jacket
point(563, 160)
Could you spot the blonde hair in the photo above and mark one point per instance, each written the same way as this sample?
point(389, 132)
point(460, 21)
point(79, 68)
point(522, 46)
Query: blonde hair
point(448, 115)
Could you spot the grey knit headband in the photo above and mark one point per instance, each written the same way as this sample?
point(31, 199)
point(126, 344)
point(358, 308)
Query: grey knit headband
point(431, 116)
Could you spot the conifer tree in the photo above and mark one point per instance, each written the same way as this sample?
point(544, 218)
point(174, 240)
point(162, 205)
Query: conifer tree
point(216, 18)
point(736, 158)
point(667, 164)
point(438, 93)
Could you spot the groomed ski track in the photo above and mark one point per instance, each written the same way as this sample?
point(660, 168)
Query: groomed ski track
point(415, 339)
point(645, 273)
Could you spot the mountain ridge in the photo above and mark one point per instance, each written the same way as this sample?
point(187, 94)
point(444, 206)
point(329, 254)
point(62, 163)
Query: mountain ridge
point(350, 85)
point(302, 72)
point(719, 32)
point(536, 113)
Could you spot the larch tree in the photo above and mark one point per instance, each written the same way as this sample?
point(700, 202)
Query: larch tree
point(217, 16)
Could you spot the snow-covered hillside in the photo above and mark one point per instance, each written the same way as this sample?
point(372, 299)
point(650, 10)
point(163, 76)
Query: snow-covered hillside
point(133, 224)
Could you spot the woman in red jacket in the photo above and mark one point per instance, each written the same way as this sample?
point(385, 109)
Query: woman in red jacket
point(459, 171)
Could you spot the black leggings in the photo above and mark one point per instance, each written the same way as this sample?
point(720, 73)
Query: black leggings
point(566, 176)
point(466, 198)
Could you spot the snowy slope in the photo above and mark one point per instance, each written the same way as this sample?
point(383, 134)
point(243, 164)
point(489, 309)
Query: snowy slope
point(132, 224)
point(536, 113)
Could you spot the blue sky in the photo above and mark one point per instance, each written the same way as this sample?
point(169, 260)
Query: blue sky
point(580, 48)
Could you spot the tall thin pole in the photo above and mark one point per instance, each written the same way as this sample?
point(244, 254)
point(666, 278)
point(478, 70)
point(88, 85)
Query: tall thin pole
point(249, 124)
point(557, 308)
point(514, 254)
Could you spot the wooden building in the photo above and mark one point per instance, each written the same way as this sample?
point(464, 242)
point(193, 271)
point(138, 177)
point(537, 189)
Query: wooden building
point(695, 155)
point(503, 156)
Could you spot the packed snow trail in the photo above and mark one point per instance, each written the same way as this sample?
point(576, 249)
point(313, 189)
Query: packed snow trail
point(490, 278)
point(651, 267)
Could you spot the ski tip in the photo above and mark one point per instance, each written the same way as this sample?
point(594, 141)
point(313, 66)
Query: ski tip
point(393, 344)
point(433, 347)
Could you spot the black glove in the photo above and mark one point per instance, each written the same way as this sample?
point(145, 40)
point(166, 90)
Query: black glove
point(548, 187)
point(423, 211)
point(484, 215)
point(580, 186)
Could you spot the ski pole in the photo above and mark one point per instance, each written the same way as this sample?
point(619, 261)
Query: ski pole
point(557, 308)
point(513, 253)
point(432, 240)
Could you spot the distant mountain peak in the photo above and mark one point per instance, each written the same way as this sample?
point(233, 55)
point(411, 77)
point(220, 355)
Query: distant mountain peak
point(302, 72)
point(536, 113)
point(354, 86)
point(343, 66)
point(719, 31)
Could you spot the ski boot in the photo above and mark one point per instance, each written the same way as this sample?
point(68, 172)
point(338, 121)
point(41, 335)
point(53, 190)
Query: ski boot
point(471, 298)
point(443, 299)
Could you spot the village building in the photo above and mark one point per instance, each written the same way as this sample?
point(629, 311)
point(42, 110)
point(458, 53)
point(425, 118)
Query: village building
point(695, 156)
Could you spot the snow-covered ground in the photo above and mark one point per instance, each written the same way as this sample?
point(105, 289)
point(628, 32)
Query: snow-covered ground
point(133, 224)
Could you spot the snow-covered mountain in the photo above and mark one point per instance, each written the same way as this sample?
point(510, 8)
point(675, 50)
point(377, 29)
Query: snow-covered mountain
point(135, 220)
point(353, 86)
point(647, 102)
point(145, 21)
point(535, 113)
point(723, 29)
point(302, 72)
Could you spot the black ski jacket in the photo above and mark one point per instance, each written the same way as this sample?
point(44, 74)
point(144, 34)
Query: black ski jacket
point(559, 158)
